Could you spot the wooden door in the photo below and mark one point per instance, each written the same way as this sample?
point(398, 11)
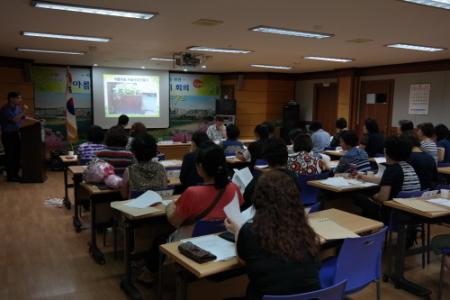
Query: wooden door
point(325, 105)
point(376, 98)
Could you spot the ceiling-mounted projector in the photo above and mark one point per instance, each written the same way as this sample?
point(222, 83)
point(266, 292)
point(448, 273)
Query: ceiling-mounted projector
point(187, 59)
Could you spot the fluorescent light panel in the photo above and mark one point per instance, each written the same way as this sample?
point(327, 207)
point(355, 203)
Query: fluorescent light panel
point(66, 37)
point(445, 4)
point(416, 47)
point(281, 31)
point(49, 51)
point(161, 59)
point(220, 50)
point(332, 59)
point(93, 10)
point(272, 67)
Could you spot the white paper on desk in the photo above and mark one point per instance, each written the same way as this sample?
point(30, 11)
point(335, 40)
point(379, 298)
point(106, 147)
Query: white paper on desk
point(166, 202)
point(429, 194)
point(440, 201)
point(359, 182)
point(330, 230)
point(170, 163)
point(242, 178)
point(380, 160)
point(233, 211)
point(420, 205)
point(147, 199)
point(381, 169)
point(336, 181)
point(218, 246)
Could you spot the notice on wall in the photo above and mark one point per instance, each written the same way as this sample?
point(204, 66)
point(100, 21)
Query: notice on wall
point(419, 99)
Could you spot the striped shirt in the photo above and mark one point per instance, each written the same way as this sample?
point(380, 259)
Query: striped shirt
point(354, 156)
point(119, 158)
point(411, 181)
point(401, 177)
point(428, 146)
point(88, 150)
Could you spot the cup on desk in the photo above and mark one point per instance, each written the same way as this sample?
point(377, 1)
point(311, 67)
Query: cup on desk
point(71, 153)
point(444, 193)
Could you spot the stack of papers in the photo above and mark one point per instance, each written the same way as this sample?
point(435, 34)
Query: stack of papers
point(242, 178)
point(440, 201)
point(421, 205)
point(218, 246)
point(171, 163)
point(147, 199)
point(233, 212)
point(380, 160)
point(330, 230)
point(336, 181)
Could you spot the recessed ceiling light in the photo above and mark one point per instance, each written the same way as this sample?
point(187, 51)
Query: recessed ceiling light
point(203, 67)
point(143, 67)
point(416, 47)
point(305, 34)
point(333, 59)
point(185, 70)
point(272, 67)
point(434, 3)
point(95, 65)
point(93, 10)
point(49, 51)
point(66, 36)
point(161, 59)
point(220, 50)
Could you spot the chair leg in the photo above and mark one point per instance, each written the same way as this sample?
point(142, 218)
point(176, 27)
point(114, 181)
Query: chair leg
point(441, 278)
point(115, 240)
point(378, 289)
point(422, 237)
point(428, 242)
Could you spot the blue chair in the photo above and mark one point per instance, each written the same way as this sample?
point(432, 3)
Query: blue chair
point(335, 292)
point(443, 165)
point(309, 193)
point(443, 187)
point(314, 208)
point(358, 262)
point(445, 251)
point(329, 149)
point(203, 227)
point(261, 162)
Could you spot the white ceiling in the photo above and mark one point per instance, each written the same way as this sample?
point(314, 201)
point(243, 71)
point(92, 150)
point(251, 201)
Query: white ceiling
point(134, 41)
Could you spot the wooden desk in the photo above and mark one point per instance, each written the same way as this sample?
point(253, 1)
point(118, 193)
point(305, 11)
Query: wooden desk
point(320, 185)
point(67, 161)
point(444, 170)
point(352, 222)
point(77, 178)
point(334, 153)
point(96, 198)
point(247, 142)
point(174, 150)
point(406, 215)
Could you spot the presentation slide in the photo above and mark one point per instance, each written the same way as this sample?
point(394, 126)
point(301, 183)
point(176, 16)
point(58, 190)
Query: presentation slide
point(143, 95)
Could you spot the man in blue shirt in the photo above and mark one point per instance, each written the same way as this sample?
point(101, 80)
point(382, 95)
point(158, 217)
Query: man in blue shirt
point(11, 116)
point(320, 138)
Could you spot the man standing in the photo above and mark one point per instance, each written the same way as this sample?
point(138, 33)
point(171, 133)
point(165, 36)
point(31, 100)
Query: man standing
point(11, 116)
point(216, 132)
point(122, 122)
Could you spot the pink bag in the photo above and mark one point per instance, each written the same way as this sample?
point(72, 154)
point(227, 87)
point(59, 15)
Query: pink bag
point(113, 181)
point(97, 171)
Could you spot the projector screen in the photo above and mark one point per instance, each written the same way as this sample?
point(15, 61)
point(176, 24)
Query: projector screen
point(143, 95)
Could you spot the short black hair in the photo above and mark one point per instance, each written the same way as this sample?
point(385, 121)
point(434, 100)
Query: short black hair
point(397, 148)
point(350, 138)
point(315, 125)
point(212, 159)
point(303, 142)
point(95, 134)
point(270, 127)
point(116, 138)
point(341, 123)
point(275, 152)
point(12, 95)
point(406, 125)
point(427, 129)
point(144, 147)
point(263, 131)
point(233, 132)
point(123, 120)
point(441, 132)
point(294, 133)
point(219, 119)
point(412, 138)
point(199, 137)
point(372, 126)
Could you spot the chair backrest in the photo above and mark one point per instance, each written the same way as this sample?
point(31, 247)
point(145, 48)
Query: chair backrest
point(329, 148)
point(314, 208)
point(261, 162)
point(335, 292)
point(443, 165)
point(359, 261)
point(203, 227)
point(414, 194)
point(443, 187)
point(308, 193)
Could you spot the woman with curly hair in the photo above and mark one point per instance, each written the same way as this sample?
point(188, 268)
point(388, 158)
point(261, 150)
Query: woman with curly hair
point(279, 248)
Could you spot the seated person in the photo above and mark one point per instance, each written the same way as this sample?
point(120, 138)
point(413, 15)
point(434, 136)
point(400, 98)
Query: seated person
point(279, 248)
point(188, 173)
point(255, 148)
point(405, 126)
point(341, 125)
point(292, 135)
point(303, 161)
point(232, 145)
point(320, 138)
point(137, 128)
point(144, 174)
point(115, 153)
point(425, 134)
point(216, 190)
point(399, 176)
point(422, 162)
point(216, 132)
point(372, 141)
point(87, 151)
point(353, 157)
point(275, 152)
point(443, 142)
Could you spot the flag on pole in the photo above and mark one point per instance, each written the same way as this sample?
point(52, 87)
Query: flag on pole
point(71, 118)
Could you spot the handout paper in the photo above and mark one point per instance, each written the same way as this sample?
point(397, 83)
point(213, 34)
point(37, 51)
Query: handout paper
point(380, 160)
point(248, 214)
point(330, 230)
point(242, 178)
point(147, 199)
point(221, 248)
point(171, 163)
point(420, 205)
point(440, 201)
point(381, 169)
point(233, 211)
point(336, 181)
point(429, 194)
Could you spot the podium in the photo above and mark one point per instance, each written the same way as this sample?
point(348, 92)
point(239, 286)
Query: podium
point(33, 153)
